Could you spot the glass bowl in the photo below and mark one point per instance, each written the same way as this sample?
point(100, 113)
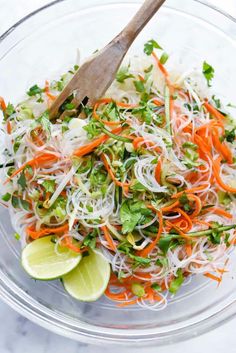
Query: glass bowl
point(43, 45)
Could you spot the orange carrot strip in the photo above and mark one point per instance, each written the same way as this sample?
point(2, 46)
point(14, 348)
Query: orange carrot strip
point(213, 111)
point(220, 212)
point(222, 148)
point(108, 238)
point(159, 64)
point(220, 182)
point(186, 216)
point(110, 172)
point(139, 140)
point(46, 90)
point(67, 242)
point(158, 102)
point(83, 150)
point(188, 248)
point(158, 171)
point(2, 104)
point(179, 231)
point(37, 161)
point(170, 207)
point(198, 204)
point(152, 245)
point(30, 231)
point(188, 191)
point(213, 277)
point(8, 127)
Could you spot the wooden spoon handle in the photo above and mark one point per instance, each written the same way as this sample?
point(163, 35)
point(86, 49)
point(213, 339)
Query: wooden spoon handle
point(138, 22)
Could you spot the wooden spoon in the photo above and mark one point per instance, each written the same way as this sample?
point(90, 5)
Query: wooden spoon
point(94, 77)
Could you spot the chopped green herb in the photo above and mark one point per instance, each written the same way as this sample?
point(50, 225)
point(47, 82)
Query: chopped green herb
point(230, 135)
point(150, 45)
point(34, 90)
point(6, 197)
point(17, 236)
point(9, 110)
point(177, 282)
point(208, 72)
point(139, 86)
point(49, 185)
point(184, 201)
point(164, 58)
point(123, 74)
point(138, 289)
point(22, 180)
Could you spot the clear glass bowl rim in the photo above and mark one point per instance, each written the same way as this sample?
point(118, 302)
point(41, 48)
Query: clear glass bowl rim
point(25, 305)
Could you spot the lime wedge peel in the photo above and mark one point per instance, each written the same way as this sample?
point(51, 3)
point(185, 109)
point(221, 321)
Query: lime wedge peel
point(42, 262)
point(89, 280)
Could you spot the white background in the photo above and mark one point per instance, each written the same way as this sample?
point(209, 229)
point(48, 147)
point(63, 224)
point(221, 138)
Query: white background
point(18, 335)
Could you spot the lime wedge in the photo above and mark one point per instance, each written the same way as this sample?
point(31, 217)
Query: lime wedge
point(41, 261)
point(88, 281)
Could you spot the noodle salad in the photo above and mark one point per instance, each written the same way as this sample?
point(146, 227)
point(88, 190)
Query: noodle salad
point(145, 177)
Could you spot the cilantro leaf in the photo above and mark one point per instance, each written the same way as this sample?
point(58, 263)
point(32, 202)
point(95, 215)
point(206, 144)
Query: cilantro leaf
point(208, 72)
point(216, 101)
point(34, 90)
point(165, 243)
point(132, 213)
point(140, 260)
point(177, 282)
point(25, 204)
point(123, 74)
point(44, 121)
point(90, 239)
point(139, 86)
point(93, 128)
point(184, 201)
point(9, 110)
point(22, 180)
point(230, 135)
point(6, 197)
point(215, 236)
point(190, 145)
point(150, 45)
point(164, 58)
point(49, 185)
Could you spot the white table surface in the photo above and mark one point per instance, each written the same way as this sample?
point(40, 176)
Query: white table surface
point(19, 335)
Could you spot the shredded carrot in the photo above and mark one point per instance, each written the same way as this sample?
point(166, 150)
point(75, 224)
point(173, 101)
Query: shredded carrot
point(82, 151)
point(108, 238)
point(40, 160)
point(220, 212)
point(46, 90)
point(213, 277)
point(170, 207)
point(152, 245)
point(67, 242)
point(198, 204)
point(213, 111)
point(186, 216)
point(190, 191)
point(222, 148)
point(220, 182)
point(139, 140)
point(2, 104)
point(158, 171)
point(110, 172)
point(178, 230)
point(8, 127)
point(158, 102)
point(188, 248)
point(159, 64)
point(30, 231)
